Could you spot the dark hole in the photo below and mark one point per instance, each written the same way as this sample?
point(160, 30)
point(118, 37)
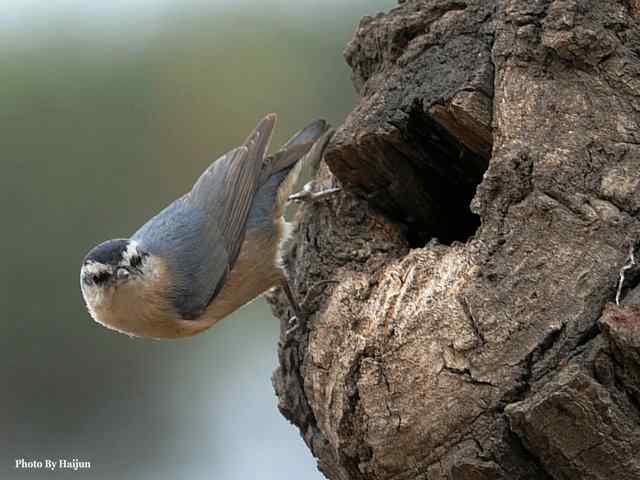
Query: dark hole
point(450, 172)
point(437, 176)
point(420, 168)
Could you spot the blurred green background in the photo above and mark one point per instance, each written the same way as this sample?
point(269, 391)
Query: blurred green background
point(108, 111)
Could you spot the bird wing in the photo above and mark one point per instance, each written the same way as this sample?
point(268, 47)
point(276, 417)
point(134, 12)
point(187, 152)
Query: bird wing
point(226, 189)
point(192, 249)
point(200, 234)
point(218, 204)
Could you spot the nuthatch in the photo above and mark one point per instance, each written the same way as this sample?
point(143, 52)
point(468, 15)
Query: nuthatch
point(210, 251)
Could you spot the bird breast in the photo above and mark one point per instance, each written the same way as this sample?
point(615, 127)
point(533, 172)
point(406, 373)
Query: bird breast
point(257, 269)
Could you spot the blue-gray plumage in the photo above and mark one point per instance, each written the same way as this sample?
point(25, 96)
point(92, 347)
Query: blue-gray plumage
point(209, 252)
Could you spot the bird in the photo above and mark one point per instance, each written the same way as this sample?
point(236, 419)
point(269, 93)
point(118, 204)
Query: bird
point(210, 251)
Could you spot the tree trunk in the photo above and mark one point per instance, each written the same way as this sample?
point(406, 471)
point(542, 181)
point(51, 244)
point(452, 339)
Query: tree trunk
point(491, 196)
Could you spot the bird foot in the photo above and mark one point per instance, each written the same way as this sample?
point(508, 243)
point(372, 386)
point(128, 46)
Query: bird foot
point(307, 195)
point(295, 326)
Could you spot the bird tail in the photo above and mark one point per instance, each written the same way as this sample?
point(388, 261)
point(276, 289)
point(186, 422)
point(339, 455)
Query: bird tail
point(304, 149)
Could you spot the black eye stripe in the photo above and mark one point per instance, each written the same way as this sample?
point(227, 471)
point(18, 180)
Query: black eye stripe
point(135, 261)
point(99, 278)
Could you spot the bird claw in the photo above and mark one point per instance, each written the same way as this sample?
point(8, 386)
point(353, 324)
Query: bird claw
point(293, 327)
point(307, 195)
point(296, 329)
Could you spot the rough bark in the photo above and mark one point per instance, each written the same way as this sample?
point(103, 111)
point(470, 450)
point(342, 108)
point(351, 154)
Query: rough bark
point(491, 176)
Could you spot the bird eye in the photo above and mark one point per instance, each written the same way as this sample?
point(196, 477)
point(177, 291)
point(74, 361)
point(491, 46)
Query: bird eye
point(135, 261)
point(122, 273)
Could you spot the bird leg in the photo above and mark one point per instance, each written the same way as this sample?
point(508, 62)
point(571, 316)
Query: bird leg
point(307, 195)
point(298, 320)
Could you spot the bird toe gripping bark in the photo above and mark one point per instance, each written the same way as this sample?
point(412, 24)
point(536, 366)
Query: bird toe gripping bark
point(308, 195)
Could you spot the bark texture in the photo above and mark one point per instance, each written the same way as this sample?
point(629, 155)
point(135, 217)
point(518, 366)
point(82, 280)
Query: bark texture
point(491, 175)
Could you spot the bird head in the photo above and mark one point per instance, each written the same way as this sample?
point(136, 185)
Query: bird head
point(131, 290)
point(109, 266)
point(119, 282)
